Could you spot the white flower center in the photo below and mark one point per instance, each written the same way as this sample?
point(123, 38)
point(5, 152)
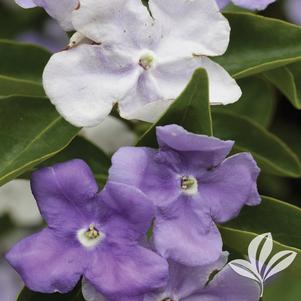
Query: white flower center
point(189, 185)
point(146, 60)
point(90, 237)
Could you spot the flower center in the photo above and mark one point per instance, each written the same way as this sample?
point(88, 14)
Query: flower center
point(189, 185)
point(167, 299)
point(146, 61)
point(90, 237)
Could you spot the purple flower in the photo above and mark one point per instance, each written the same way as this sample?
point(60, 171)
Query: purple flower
point(248, 4)
point(196, 284)
point(89, 234)
point(193, 186)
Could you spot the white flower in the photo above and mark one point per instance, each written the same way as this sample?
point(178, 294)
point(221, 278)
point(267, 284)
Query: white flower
point(17, 200)
point(61, 10)
point(110, 135)
point(141, 62)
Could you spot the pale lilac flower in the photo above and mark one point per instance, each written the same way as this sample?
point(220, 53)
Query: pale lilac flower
point(248, 4)
point(196, 284)
point(293, 10)
point(61, 10)
point(193, 187)
point(17, 201)
point(10, 282)
point(138, 61)
point(89, 234)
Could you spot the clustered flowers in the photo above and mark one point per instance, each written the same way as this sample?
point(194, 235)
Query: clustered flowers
point(151, 234)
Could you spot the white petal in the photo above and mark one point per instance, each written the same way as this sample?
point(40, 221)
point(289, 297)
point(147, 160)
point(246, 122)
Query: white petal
point(194, 26)
point(61, 10)
point(122, 23)
point(19, 203)
point(110, 135)
point(84, 83)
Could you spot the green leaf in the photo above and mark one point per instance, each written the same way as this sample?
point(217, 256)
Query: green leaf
point(287, 80)
point(11, 86)
point(257, 101)
point(21, 68)
point(80, 148)
point(28, 295)
point(31, 131)
point(259, 44)
point(190, 110)
point(273, 155)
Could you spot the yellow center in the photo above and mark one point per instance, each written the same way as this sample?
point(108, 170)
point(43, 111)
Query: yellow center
point(92, 232)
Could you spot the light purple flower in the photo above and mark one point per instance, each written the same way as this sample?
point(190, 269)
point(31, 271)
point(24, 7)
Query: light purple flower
point(196, 284)
point(193, 186)
point(293, 10)
point(138, 60)
point(89, 234)
point(61, 10)
point(248, 4)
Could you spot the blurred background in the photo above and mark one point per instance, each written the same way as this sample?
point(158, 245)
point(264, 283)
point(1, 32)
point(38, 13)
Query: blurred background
point(19, 215)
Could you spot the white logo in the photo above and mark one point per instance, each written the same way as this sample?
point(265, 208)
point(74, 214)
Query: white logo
point(260, 266)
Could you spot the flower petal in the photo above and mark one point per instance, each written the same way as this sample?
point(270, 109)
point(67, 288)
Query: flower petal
point(47, 264)
point(185, 235)
point(125, 212)
point(145, 169)
point(84, 82)
point(65, 194)
point(253, 4)
point(61, 10)
point(222, 3)
point(231, 186)
point(127, 272)
point(192, 26)
point(199, 150)
point(125, 24)
point(172, 76)
point(26, 3)
point(228, 286)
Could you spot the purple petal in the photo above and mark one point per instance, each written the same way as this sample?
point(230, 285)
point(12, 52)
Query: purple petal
point(222, 3)
point(127, 272)
point(47, 264)
point(26, 3)
point(185, 235)
point(149, 171)
point(230, 186)
point(293, 10)
point(253, 4)
point(199, 150)
point(228, 286)
point(126, 213)
point(65, 194)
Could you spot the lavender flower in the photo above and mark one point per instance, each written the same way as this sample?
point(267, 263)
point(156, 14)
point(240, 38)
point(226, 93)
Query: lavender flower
point(248, 4)
point(61, 10)
point(293, 10)
point(196, 284)
point(150, 56)
point(89, 234)
point(193, 186)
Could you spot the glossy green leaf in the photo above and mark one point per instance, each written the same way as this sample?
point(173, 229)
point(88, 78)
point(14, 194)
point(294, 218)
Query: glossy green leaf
point(272, 154)
point(31, 131)
point(11, 86)
point(257, 101)
point(80, 148)
point(21, 68)
point(190, 110)
point(259, 44)
point(288, 81)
